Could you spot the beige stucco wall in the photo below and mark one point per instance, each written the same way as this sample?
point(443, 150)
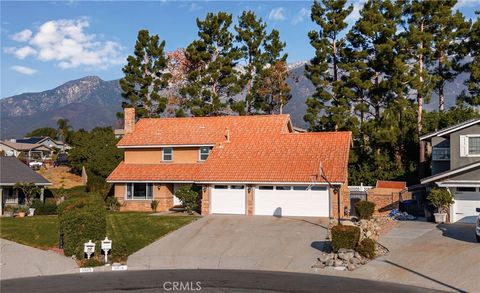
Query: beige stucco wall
point(154, 156)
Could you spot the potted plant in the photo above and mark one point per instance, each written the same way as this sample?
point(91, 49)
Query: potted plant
point(22, 211)
point(8, 211)
point(441, 199)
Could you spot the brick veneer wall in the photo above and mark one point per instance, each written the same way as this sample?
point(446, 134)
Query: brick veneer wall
point(205, 208)
point(163, 193)
point(386, 199)
point(344, 201)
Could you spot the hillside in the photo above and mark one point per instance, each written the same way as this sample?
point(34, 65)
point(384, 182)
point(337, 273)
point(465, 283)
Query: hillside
point(90, 101)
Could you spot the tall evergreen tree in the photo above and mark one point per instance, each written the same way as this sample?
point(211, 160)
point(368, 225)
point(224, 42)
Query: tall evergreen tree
point(212, 77)
point(450, 30)
point(271, 89)
point(260, 52)
point(323, 69)
point(145, 76)
point(473, 67)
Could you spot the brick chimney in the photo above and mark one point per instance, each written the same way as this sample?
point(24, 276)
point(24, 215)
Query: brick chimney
point(129, 120)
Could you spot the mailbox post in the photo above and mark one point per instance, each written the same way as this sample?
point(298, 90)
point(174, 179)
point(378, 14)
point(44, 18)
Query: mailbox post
point(89, 248)
point(106, 246)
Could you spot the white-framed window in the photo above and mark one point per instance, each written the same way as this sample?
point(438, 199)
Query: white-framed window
point(139, 191)
point(167, 154)
point(221, 186)
point(237, 187)
point(283, 187)
point(470, 145)
point(265, 187)
point(300, 187)
point(319, 188)
point(203, 153)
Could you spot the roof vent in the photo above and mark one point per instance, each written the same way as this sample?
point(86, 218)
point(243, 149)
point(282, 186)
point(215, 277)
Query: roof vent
point(227, 134)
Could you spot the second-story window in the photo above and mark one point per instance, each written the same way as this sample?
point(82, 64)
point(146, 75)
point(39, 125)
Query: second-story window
point(474, 145)
point(204, 152)
point(167, 154)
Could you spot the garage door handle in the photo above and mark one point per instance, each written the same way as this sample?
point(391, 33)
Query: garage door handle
point(459, 213)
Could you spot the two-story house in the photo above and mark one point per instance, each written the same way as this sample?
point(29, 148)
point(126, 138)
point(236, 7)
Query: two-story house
point(455, 164)
point(249, 165)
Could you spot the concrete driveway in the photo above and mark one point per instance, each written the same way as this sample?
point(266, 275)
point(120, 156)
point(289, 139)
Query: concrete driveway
point(444, 257)
point(237, 242)
point(19, 261)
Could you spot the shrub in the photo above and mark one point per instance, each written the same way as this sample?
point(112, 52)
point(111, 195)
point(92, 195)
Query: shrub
point(365, 209)
point(345, 237)
point(188, 196)
point(46, 208)
point(154, 205)
point(82, 219)
point(97, 184)
point(112, 203)
point(441, 199)
point(366, 248)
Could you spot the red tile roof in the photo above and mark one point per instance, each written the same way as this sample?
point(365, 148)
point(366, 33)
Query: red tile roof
point(154, 172)
point(293, 157)
point(201, 130)
point(261, 149)
point(391, 184)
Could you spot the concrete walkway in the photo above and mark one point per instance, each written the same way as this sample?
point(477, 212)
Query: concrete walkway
point(444, 257)
point(236, 242)
point(19, 261)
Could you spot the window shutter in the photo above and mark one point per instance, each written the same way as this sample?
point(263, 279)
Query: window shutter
point(463, 145)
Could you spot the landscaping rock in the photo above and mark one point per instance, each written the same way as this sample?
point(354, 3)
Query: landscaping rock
point(338, 263)
point(318, 265)
point(351, 267)
point(355, 261)
point(340, 268)
point(324, 258)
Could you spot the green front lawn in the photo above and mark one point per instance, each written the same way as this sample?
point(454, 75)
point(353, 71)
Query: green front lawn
point(134, 230)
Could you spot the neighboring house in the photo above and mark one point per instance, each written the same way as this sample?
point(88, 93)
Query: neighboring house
point(28, 150)
point(455, 164)
point(13, 171)
point(46, 141)
point(249, 165)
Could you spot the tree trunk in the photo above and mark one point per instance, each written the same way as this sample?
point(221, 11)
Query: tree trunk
point(420, 108)
point(335, 73)
point(441, 96)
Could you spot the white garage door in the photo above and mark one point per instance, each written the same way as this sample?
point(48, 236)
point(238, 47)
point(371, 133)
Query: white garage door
point(228, 199)
point(465, 206)
point(292, 201)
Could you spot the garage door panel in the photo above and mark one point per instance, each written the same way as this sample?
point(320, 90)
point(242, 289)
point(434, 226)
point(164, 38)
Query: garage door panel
point(292, 203)
point(228, 201)
point(465, 207)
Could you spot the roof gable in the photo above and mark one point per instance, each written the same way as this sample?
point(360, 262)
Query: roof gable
point(202, 130)
point(13, 171)
point(451, 129)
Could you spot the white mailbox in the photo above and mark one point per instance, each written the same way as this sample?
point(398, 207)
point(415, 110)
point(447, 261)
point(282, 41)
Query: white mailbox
point(106, 246)
point(89, 248)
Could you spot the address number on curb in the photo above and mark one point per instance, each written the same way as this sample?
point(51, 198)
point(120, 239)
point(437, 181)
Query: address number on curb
point(119, 268)
point(86, 270)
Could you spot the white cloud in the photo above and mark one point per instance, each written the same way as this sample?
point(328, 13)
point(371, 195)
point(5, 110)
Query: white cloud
point(300, 16)
point(277, 14)
point(355, 15)
point(65, 42)
point(194, 7)
point(465, 3)
point(22, 36)
point(23, 69)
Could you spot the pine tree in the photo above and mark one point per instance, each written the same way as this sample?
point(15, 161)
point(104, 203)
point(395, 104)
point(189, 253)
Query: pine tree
point(449, 34)
point(212, 77)
point(271, 89)
point(473, 67)
point(260, 52)
point(323, 69)
point(145, 76)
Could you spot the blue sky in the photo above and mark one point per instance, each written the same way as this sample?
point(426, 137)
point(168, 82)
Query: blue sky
point(45, 44)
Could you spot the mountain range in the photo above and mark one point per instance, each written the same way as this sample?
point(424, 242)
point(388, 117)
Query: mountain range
point(90, 102)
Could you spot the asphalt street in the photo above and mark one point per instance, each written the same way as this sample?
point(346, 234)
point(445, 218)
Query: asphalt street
point(200, 281)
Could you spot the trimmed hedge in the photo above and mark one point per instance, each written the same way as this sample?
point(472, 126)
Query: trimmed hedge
point(82, 219)
point(46, 208)
point(365, 209)
point(345, 237)
point(367, 248)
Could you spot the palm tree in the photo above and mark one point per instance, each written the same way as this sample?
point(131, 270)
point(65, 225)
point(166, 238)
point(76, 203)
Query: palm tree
point(64, 129)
